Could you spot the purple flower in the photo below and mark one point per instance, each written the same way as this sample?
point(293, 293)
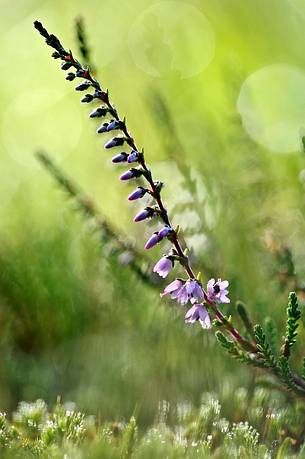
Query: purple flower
point(152, 241)
point(133, 156)
point(173, 287)
point(198, 312)
point(191, 291)
point(115, 142)
point(165, 231)
point(120, 158)
point(136, 194)
point(185, 291)
point(145, 213)
point(217, 291)
point(163, 267)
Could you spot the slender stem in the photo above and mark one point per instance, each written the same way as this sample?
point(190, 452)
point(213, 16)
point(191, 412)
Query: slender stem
point(154, 191)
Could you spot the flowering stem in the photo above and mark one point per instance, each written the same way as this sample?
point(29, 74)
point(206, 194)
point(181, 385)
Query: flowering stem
point(155, 192)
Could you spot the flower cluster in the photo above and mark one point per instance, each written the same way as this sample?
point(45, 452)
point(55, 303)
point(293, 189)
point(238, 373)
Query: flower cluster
point(184, 291)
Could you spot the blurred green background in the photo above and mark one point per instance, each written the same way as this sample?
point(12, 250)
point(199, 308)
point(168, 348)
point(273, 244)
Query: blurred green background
point(74, 321)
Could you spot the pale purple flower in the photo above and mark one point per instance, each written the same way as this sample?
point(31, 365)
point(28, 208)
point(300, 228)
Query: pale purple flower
point(185, 291)
point(217, 291)
point(190, 291)
point(163, 267)
point(120, 158)
point(198, 312)
point(173, 287)
point(136, 194)
point(152, 241)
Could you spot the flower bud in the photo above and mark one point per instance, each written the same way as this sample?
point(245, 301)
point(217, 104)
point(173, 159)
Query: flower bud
point(138, 193)
point(115, 142)
point(144, 214)
point(133, 156)
point(165, 231)
point(120, 158)
point(87, 98)
point(114, 124)
point(132, 173)
point(83, 86)
point(66, 66)
point(80, 73)
point(152, 241)
point(102, 128)
point(98, 112)
point(70, 76)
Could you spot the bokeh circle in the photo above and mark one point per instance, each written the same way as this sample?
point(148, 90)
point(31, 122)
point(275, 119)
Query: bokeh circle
point(271, 103)
point(172, 37)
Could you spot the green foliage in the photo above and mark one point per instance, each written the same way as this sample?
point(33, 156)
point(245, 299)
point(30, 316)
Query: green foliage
point(271, 334)
point(183, 431)
point(263, 347)
point(293, 316)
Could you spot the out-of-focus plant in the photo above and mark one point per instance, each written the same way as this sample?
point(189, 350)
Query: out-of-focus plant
point(253, 347)
point(181, 431)
point(125, 251)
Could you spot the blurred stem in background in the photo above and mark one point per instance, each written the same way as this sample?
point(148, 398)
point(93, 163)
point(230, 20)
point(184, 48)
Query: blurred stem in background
point(83, 46)
point(126, 252)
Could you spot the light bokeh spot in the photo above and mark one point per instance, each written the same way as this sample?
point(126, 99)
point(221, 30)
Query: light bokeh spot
point(161, 40)
point(271, 103)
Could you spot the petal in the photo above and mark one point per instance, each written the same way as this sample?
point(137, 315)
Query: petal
point(211, 283)
point(190, 316)
point(176, 284)
point(204, 317)
point(223, 284)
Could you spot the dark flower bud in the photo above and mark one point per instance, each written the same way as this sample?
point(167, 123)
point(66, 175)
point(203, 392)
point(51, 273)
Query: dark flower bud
point(56, 55)
point(102, 128)
point(133, 156)
point(136, 194)
point(80, 73)
point(132, 173)
point(88, 98)
point(113, 125)
point(120, 158)
point(66, 65)
point(83, 86)
point(144, 214)
point(115, 142)
point(165, 232)
point(70, 76)
point(152, 241)
point(98, 94)
point(98, 112)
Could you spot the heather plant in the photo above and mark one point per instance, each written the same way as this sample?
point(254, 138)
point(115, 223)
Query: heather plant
point(179, 431)
point(256, 347)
